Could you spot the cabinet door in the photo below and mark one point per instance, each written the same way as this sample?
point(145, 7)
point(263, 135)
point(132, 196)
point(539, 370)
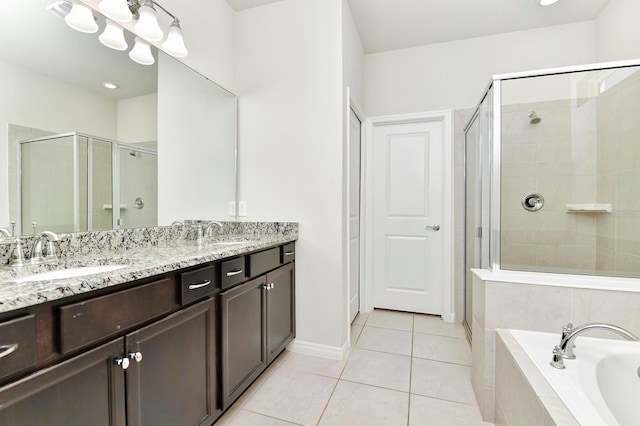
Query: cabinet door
point(280, 310)
point(85, 390)
point(243, 337)
point(172, 381)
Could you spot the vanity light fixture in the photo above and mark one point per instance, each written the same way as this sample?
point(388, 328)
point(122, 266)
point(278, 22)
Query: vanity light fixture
point(113, 36)
point(116, 10)
point(174, 44)
point(147, 26)
point(147, 29)
point(81, 18)
point(547, 2)
point(141, 52)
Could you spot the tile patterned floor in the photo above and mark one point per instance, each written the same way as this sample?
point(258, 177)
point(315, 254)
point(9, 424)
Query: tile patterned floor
point(403, 369)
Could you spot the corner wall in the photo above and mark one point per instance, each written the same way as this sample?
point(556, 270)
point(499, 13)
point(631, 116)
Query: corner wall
point(290, 84)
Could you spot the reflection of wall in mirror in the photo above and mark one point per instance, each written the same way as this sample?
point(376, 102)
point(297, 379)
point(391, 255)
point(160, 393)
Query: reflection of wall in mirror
point(33, 100)
point(196, 124)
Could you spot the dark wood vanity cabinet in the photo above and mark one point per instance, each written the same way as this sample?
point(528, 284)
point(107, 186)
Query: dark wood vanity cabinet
point(169, 379)
point(167, 350)
point(244, 327)
point(258, 322)
point(281, 315)
point(85, 390)
point(174, 381)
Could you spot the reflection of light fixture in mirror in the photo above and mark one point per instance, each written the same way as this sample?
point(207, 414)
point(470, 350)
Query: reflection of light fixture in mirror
point(118, 10)
point(147, 26)
point(113, 36)
point(141, 52)
point(81, 18)
point(109, 85)
point(174, 44)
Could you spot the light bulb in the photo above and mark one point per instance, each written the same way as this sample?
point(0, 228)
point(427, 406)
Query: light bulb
point(141, 52)
point(174, 44)
point(147, 26)
point(81, 19)
point(113, 36)
point(118, 10)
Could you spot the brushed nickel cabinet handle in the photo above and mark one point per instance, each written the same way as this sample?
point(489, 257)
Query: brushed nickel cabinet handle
point(199, 285)
point(289, 253)
point(123, 362)
point(136, 356)
point(236, 272)
point(8, 349)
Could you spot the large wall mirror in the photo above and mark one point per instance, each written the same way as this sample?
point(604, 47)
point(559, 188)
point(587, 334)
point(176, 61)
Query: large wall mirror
point(76, 155)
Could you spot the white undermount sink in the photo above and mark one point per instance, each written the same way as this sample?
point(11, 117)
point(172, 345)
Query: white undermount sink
point(68, 273)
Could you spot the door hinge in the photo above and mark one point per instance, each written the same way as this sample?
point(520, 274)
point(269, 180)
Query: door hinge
point(479, 232)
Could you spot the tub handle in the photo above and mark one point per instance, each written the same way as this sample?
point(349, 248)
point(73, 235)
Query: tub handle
point(558, 361)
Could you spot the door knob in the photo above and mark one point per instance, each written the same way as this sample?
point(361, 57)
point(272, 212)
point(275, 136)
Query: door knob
point(434, 227)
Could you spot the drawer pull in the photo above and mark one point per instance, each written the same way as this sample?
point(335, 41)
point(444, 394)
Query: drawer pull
point(199, 285)
point(232, 273)
point(7, 349)
point(289, 253)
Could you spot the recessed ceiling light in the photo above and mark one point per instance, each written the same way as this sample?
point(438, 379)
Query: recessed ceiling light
point(110, 85)
point(547, 2)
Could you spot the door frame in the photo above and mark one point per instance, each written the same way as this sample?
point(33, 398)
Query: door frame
point(445, 118)
point(352, 104)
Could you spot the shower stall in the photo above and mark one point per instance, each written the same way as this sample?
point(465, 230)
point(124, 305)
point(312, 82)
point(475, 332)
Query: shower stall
point(553, 174)
point(74, 182)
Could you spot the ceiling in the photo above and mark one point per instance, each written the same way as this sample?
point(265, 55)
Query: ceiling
point(396, 24)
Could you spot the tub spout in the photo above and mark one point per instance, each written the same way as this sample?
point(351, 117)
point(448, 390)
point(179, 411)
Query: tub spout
point(568, 339)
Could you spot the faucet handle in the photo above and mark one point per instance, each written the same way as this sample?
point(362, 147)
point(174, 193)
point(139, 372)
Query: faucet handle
point(557, 361)
point(566, 329)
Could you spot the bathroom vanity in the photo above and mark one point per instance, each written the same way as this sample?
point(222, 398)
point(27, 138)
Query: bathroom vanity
point(172, 338)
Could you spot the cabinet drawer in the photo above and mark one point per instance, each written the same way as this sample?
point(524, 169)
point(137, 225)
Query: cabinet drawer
point(197, 284)
point(95, 319)
point(17, 345)
point(264, 261)
point(234, 271)
point(288, 253)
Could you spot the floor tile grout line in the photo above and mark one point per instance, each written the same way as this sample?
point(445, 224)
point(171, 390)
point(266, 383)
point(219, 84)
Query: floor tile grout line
point(413, 326)
point(271, 417)
point(444, 399)
point(324, 409)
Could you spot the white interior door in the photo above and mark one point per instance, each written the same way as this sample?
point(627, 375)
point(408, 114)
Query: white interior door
point(354, 215)
point(408, 212)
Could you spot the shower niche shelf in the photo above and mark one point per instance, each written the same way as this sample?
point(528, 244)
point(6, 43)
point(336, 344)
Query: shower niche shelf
point(589, 208)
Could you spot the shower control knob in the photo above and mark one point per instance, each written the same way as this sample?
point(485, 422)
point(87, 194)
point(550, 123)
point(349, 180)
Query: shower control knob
point(434, 227)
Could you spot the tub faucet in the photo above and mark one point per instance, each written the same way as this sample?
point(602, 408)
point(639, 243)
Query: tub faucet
point(5, 232)
point(570, 334)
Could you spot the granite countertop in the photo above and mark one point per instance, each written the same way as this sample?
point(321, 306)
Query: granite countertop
point(138, 262)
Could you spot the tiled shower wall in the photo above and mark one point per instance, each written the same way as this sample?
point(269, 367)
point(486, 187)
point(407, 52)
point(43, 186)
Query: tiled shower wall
point(557, 159)
point(618, 179)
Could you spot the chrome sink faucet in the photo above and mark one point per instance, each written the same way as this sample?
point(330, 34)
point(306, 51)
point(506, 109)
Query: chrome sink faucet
point(40, 254)
point(570, 334)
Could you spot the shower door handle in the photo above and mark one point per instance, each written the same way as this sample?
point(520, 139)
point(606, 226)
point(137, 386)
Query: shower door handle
point(434, 227)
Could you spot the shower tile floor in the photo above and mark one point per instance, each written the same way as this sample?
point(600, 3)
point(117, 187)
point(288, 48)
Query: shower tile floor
point(404, 369)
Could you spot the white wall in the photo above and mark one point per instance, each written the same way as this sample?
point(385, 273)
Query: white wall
point(618, 31)
point(289, 76)
point(34, 100)
point(208, 33)
point(352, 56)
point(453, 75)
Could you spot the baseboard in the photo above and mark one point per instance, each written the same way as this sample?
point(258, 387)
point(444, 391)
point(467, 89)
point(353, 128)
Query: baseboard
point(319, 350)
